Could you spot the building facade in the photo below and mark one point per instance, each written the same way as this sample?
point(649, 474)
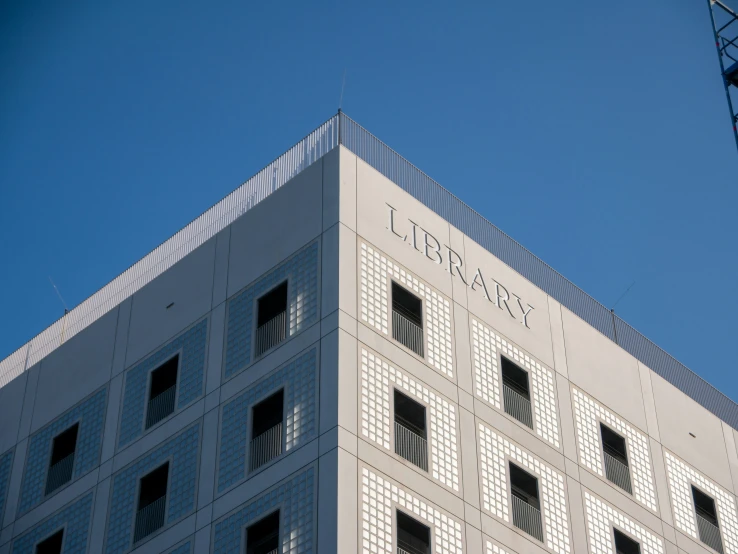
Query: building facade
point(341, 357)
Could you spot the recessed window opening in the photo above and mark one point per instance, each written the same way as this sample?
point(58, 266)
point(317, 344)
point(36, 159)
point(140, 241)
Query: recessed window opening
point(625, 545)
point(267, 429)
point(616, 458)
point(51, 545)
point(407, 319)
point(526, 505)
point(271, 319)
point(411, 436)
point(62, 458)
point(263, 536)
point(707, 520)
point(412, 536)
point(162, 391)
point(152, 497)
point(516, 391)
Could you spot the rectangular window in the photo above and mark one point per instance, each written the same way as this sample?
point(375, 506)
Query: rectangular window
point(162, 392)
point(625, 545)
point(271, 319)
point(262, 537)
point(62, 459)
point(516, 392)
point(51, 545)
point(266, 430)
point(707, 520)
point(526, 504)
point(616, 458)
point(411, 440)
point(407, 319)
point(412, 536)
point(152, 502)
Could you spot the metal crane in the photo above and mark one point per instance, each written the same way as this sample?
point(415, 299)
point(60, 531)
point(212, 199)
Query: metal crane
point(725, 28)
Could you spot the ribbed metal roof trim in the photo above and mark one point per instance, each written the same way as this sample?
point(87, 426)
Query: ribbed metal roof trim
point(419, 185)
point(272, 177)
point(341, 129)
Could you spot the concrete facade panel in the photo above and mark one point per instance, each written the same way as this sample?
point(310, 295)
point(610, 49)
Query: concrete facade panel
point(601, 369)
point(170, 303)
point(276, 228)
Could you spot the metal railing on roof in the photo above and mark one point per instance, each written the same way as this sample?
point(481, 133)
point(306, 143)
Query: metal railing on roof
point(310, 149)
point(341, 129)
point(424, 189)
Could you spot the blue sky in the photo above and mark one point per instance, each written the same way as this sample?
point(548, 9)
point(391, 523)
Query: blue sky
point(597, 136)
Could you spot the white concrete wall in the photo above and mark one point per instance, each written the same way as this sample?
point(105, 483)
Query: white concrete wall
point(657, 416)
point(344, 206)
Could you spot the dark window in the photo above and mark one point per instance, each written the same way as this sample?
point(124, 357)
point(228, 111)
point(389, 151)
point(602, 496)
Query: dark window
point(407, 304)
point(704, 506)
point(271, 319)
point(613, 444)
point(526, 506)
point(516, 392)
point(616, 459)
point(410, 430)
point(407, 319)
point(152, 496)
point(62, 459)
point(707, 521)
point(266, 429)
point(64, 444)
point(52, 545)
point(524, 486)
point(412, 536)
point(272, 304)
point(162, 391)
point(625, 545)
point(263, 536)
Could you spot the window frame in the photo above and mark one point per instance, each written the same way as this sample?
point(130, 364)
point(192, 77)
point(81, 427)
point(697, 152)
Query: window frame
point(77, 422)
point(424, 316)
point(147, 399)
point(255, 319)
point(411, 515)
point(617, 529)
point(534, 419)
point(250, 437)
point(394, 387)
point(245, 527)
point(62, 528)
point(170, 461)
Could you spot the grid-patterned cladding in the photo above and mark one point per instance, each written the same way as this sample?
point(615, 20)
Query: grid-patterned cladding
point(90, 414)
point(494, 549)
point(587, 417)
point(75, 518)
point(302, 273)
point(295, 500)
point(487, 346)
point(377, 379)
point(192, 346)
point(601, 518)
point(375, 269)
point(6, 463)
point(299, 379)
point(681, 477)
point(379, 500)
point(495, 450)
point(183, 453)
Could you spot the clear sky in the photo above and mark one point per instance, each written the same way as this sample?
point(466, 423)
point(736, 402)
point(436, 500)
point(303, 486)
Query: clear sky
point(596, 134)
